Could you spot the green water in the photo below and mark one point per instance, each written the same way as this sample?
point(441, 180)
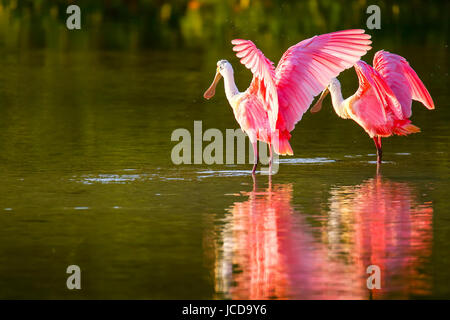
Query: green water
point(87, 179)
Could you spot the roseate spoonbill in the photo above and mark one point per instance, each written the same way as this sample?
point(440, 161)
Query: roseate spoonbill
point(278, 97)
point(382, 103)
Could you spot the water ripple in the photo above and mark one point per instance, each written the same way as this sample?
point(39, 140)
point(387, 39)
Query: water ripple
point(317, 160)
point(224, 173)
point(112, 178)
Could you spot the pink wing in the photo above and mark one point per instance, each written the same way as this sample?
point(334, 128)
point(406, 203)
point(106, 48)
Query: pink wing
point(263, 76)
point(306, 68)
point(402, 79)
point(369, 78)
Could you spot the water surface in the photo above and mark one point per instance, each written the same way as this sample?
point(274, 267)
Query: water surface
point(87, 179)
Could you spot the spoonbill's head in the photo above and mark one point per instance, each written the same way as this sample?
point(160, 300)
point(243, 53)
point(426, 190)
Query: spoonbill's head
point(223, 69)
point(333, 86)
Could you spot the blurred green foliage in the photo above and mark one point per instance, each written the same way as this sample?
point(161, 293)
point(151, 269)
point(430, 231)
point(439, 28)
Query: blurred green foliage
point(137, 24)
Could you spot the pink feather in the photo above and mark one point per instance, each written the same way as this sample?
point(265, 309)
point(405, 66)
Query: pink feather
point(403, 80)
point(369, 78)
point(282, 95)
point(306, 68)
point(263, 76)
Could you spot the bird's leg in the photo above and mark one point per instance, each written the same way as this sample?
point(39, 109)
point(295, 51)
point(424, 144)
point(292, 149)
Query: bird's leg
point(256, 156)
point(380, 150)
point(377, 141)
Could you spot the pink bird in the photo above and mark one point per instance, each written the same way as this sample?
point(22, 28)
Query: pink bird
point(278, 97)
point(382, 103)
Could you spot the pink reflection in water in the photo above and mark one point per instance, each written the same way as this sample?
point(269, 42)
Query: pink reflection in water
point(266, 249)
point(388, 228)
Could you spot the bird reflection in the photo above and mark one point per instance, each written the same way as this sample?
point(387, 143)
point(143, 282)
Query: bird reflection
point(381, 223)
point(266, 249)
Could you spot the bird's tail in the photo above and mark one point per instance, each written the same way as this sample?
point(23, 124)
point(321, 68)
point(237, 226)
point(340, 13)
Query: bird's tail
point(281, 145)
point(405, 127)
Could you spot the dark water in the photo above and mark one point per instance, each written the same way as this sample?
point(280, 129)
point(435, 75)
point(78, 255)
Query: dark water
point(87, 179)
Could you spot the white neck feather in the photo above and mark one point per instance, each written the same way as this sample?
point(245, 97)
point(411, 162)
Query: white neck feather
point(230, 86)
point(337, 100)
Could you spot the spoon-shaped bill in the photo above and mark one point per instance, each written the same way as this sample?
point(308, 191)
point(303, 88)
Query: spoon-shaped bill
point(318, 105)
point(212, 88)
